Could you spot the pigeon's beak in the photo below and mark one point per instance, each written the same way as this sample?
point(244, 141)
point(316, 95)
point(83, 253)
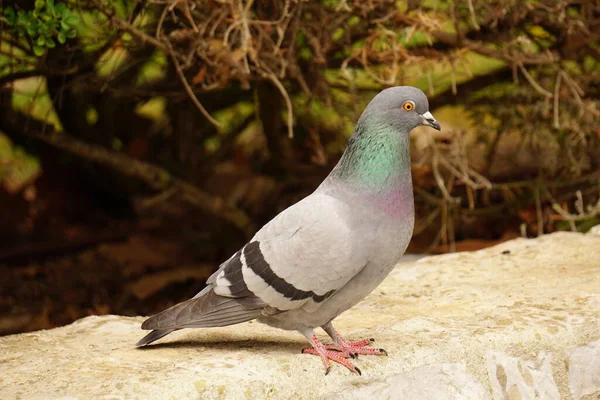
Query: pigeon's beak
point(427, 119)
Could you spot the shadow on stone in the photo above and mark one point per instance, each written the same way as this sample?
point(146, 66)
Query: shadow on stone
point(232, 344)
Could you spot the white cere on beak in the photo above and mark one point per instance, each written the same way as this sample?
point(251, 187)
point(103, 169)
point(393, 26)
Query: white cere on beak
point(430, 121)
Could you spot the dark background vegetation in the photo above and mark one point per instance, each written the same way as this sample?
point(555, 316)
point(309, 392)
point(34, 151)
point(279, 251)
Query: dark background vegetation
point(142, 142)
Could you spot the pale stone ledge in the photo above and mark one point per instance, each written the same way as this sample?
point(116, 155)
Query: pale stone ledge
point(520, 320)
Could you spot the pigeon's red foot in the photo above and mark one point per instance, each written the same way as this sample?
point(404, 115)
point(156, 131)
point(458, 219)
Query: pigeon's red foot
point(353, 349)
point(319, 349)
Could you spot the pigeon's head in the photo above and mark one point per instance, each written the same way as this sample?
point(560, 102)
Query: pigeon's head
point(405, 107)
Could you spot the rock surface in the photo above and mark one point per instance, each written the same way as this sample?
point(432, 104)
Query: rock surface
point(520, 320)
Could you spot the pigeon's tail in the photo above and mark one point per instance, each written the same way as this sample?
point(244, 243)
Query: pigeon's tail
point(154, 335)
point(206, 310)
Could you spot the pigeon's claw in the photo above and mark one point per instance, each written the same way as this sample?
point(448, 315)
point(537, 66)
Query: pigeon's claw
point(329, 355)
point(354, 349)
point(319, 349)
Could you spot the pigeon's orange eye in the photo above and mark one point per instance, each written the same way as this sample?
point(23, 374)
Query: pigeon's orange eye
point(408, 106)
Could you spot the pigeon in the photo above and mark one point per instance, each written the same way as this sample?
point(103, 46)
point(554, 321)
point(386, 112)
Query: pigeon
point(324, 254)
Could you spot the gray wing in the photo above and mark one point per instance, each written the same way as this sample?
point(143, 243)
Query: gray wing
point(304, 255)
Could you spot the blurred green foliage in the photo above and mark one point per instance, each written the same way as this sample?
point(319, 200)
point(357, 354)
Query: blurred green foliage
point(497, 64)
point(44, 25)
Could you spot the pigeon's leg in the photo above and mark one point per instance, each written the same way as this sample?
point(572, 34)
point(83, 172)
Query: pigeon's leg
point(318, 349)
point(351, 349)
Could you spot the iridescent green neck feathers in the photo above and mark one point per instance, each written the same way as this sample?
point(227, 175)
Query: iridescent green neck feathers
point(375, 166)
point(376, 157)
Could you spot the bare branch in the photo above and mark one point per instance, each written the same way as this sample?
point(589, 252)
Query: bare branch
point(557, 100)
point(189, 89)
point(154, 177)
point(290, 112)
point(532, 81)
point(473, 17)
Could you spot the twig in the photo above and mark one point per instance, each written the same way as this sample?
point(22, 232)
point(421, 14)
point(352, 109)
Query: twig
point(427, 221)
point(532, 81)
point(473, 16)
point(464, 176)
point(282, 29)
point(290, 112)
point(538, 210)
point(451, 230)
point(161, 19)
point(581, 213)
point(557, 100)
point(470, 197)
point(440, 181)
point(579, 203)
point(574, 84)
point(189, 89)
point(515, 73)
point(576, 91)
point(187, 12)
point(246, 35)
